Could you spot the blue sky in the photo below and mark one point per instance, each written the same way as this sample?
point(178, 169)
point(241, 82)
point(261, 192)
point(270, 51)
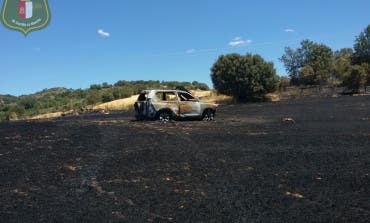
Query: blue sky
point(91, 42)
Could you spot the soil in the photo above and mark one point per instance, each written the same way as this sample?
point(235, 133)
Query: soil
point(296, 161)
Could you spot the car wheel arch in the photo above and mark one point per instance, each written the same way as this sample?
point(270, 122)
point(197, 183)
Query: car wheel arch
point(164, 110)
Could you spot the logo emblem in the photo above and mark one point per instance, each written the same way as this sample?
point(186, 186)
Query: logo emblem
point(25, 15)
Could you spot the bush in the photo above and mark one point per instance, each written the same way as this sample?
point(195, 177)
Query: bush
point(4, 116)
point(122, 92)
point(107, 97)
point(356, 79)
point(93, 97)
point(284, 82)
point(95, 87)
point(243, 77)
point(28, 102)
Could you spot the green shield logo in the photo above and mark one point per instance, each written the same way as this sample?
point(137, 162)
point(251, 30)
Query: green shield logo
point(25, 15)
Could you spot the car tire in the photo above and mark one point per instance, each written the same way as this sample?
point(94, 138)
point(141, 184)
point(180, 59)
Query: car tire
point(164, 116)
point(208, 115)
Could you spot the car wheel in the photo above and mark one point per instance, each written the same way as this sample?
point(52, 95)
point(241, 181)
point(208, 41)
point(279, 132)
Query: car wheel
point(208, 115)
point(164, 116)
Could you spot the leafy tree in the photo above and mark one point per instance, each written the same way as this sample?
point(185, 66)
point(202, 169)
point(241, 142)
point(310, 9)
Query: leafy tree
point(4, 116)
point(243, 77)
point(16, 112)
point(93, 97)
point(106, 85)
point(123, 92)
point(28, 102)
point(366, 69)
point(95, 87)
point(107, 96)
point(200, 86)
point(307, 75)
point(311, 56)
point(356, 79)
point(341, 65)
point(284, 82)
point(120, 83)
point(292, 61)
point(116, 93)
point(362, 47)
point(79, 93)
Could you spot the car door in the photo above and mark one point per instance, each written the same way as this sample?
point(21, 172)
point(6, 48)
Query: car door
point(188, 105)
point(166, 100)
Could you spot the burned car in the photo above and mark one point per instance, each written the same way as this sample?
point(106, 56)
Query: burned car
point(172, 104)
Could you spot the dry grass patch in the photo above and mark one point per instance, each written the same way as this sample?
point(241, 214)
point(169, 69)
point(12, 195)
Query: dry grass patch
point(50, 115)
point(121, 104)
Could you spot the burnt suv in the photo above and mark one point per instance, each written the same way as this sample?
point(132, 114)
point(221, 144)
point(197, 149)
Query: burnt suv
point(172, 104)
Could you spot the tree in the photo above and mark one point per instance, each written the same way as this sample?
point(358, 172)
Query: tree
point(4, 116)
point(342, 65)
point(362, 47)
point(292, 61)
point(95, 87)
point(122, 92)
point(106, 85)
point(243, 77)
point(120, 83)
point(356, 78)
point(16, 112)
point(201, 86)
point(307, 75)
point(107, 96)
point(93, 97)
point(284, 82)
point(366, 69)
point(28, 102)
point(310, 55)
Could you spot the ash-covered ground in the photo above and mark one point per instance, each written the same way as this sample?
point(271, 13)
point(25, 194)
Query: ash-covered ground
point(247, 166)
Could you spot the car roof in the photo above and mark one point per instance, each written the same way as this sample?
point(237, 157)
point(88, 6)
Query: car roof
point(148, 91)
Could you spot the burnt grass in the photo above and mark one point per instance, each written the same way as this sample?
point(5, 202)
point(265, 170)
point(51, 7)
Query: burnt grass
point(247, 166)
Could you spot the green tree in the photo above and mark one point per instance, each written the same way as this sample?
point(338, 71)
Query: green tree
point(201, 86)
point(362, 47)
point(342, 65)
point(4, 116)
point(107, 96)
point(93, 97)
point(16, 112)
point(356, 79)
point(310, 55)
point(106, 85)
point(292, 61)
point(284, 82)
point(307, 75)
point(95, 87)
point(28, 102)
point(122, 92)
point(366, 69)
point(243, 77)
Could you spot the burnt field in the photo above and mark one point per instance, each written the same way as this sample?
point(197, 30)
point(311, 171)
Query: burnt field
point(247, 166)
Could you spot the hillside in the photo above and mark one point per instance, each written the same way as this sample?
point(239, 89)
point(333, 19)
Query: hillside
point(59, 100)
point(128, 104)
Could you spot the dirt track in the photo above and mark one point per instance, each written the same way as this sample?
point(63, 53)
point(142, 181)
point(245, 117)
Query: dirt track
point(247, 166)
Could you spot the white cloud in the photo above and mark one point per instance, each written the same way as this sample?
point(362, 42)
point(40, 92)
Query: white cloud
point(103, 33)
point(190, 51)
point(239, 41)
point(289, 30)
